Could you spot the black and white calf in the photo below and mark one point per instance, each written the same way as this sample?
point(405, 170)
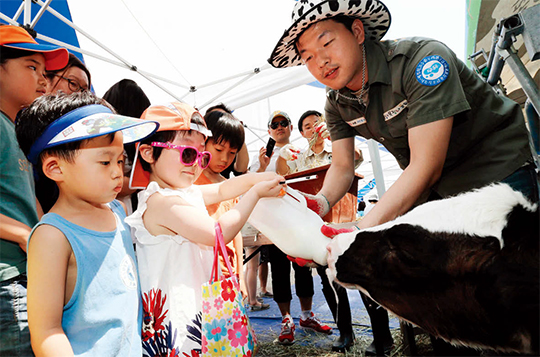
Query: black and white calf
point(465, 269)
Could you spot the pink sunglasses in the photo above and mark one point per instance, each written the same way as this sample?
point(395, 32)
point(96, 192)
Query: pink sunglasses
point(188, 154)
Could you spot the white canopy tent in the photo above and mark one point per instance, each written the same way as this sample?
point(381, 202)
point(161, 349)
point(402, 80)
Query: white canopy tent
point(206, 52)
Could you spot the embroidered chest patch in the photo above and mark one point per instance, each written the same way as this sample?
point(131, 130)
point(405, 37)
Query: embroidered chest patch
point(432, 70)
point(392, 113)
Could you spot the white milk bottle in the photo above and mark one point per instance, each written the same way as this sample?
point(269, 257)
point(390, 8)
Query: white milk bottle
point(291, 226)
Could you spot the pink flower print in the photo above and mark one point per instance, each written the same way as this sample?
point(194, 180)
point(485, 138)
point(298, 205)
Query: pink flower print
point(218, 303)
point(227, 292)
point(238, 334)
point(206, 307)
point(204, 345)
point(236, 314)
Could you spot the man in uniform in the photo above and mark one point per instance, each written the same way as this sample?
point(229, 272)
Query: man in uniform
point(448, 130)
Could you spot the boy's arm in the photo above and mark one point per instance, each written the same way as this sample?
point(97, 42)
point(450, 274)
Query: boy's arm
point(233, 187)
point(14, 231)
point(48, 256)
point(39, 209)
point(242, 159)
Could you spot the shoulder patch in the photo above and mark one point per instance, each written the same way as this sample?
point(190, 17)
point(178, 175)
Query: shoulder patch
point(432, 70)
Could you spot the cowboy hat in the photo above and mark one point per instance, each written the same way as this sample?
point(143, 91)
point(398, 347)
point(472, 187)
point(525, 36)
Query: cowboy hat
point(373, 14)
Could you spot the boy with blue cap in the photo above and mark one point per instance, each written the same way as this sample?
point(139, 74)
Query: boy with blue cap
point(83, 286)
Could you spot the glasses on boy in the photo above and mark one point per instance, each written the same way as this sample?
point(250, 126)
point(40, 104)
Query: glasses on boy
point(284, 123)
point(188, 154)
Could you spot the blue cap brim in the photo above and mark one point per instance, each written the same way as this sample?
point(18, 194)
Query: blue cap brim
point(89, 122)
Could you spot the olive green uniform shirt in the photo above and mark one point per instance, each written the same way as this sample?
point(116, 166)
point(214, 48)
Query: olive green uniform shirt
point(489, 139)
point(17, 197)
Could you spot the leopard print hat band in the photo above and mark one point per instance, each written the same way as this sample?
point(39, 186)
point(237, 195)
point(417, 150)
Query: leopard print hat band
point(373, 13)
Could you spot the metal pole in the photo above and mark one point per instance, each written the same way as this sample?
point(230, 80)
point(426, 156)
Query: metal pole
point(27, 12)
point(19, 12)
point(229, 88)
point(377, 167)
point(8, 19)
point(257, 70)
point(40, 13)
point(523, 76)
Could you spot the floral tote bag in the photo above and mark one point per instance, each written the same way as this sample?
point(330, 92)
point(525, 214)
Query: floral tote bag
point(226, 330)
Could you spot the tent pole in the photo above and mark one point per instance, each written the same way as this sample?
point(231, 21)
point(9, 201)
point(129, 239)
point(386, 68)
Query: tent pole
point(8, 19)
point(40, 13)
point(19, 12)
point(255, 70)
point(105, 59)
point(230, 88)
point(60, 17)
point(59, 43)
point(238, 101)
point(254, 133)
point(27, 12)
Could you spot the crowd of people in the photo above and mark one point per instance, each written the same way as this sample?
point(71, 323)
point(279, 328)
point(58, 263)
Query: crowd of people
point(109, 206)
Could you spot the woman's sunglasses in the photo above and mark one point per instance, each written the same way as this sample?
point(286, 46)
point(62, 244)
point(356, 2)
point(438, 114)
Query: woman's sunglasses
point(284, 123)
point(188, 154)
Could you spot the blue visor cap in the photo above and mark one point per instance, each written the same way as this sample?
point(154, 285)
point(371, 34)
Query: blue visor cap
point(89, 122)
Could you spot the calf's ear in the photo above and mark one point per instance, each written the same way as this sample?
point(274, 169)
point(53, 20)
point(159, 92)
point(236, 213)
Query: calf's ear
point(409, 251)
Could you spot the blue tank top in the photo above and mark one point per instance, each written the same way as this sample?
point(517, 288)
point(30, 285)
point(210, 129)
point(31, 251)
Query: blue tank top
point(104, 315)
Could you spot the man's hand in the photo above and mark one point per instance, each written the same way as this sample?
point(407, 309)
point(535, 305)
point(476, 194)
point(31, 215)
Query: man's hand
point(322, 130)
point(331, 232)
point(289, 152)
point(263, 160)
point(303, 262)
point(318, 203)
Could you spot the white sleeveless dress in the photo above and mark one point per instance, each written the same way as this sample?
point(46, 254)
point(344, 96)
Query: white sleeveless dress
point(172, 270)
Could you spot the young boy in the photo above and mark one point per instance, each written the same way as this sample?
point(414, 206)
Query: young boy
point(83, 289)
point(22, 67)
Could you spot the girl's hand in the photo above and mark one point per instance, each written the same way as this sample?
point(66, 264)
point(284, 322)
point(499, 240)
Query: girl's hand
point(271, 188)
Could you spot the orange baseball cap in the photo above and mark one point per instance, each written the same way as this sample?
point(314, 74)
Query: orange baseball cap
point(171, 116)
point(17, 37)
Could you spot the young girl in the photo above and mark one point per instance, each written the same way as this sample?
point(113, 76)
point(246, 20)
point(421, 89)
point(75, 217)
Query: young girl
point(173, 231)
point(22, 67)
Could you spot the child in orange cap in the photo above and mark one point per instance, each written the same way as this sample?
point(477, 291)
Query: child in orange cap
point(174, 234)
point(22, 67)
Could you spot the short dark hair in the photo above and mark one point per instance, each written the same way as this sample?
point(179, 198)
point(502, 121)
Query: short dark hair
point(218, 107)
point(73, 61)
point(8, 53)
point(41, 113)
point(165, 136)
point(127, 98)
point(225, 127)
point(130, 100)
point(304, 116)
